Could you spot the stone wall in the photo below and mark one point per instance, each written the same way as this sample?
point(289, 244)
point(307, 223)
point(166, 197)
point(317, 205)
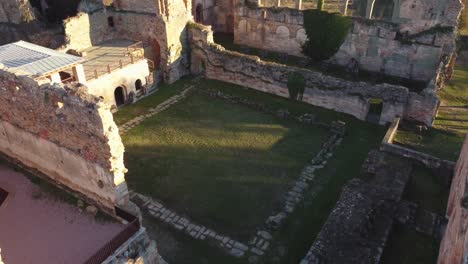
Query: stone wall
point(126, 78)
point(86, 29)
point(454, 245)
point(66, 134)
point(218, 14)
point(279, 30)
point(159, 24)
point(377, 45)
point(16, 11)
point(321, 90)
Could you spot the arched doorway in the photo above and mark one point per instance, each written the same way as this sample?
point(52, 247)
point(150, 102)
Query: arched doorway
point(119, 95)
point(138, 85)
point(199, 14)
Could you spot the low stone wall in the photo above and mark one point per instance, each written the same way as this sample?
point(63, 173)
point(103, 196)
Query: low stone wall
point(66, 134)
point(454, 245)
point(321, 90)
point(442, 168)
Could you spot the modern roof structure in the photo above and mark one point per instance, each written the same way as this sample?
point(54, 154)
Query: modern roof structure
point(27, 59)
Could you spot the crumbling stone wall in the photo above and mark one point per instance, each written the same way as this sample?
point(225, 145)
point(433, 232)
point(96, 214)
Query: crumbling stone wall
point(159, 24)
point(280, 30)
point(66, 134)
point(321, 90)
point(86, 29)
point(16, 11)
point(218, 14)
point(454, 245)
point(377, 45)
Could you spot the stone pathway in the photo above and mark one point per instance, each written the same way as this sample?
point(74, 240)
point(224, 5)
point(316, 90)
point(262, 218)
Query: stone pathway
point(183, 224)
point(155, 110)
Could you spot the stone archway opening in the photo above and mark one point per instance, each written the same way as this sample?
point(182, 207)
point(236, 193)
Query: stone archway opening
point(119, 96)
point(375, 110)
point(199, 13)
point(138, 85)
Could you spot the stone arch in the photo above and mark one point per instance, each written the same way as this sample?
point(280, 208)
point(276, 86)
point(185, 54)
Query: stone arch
point(382, 9)
point(301, 36)
point(243, 27)
point(282, 32)
point(120, 95)
point(138, 85)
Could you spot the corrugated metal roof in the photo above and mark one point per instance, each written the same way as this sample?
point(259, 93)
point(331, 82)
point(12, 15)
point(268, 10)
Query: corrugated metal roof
point(25, 58)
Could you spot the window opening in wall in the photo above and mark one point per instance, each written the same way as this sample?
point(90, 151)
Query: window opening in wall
point(110, 21)
point(138, 85)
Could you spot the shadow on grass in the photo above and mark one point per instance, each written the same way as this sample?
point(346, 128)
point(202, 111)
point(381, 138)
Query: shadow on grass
point(223, 165)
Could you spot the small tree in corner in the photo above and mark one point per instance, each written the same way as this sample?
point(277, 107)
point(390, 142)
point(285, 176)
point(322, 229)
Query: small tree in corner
point(296, 85)
point(320, 4)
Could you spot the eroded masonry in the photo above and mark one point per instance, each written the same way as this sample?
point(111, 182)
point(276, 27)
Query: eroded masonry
point(66, 67)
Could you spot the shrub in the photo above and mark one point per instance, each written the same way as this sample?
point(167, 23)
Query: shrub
point(320, 4)
point(326, 32)
point(296, 85)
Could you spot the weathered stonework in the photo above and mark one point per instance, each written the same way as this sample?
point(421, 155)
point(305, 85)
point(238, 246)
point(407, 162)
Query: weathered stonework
point(281, 30)
point(357, 229)
point(454, 246)
point(321, 90)
point(66, 134)
point(377, 45)
point(16, 11)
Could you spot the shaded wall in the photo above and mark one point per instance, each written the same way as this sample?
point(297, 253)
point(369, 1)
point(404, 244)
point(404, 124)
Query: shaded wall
point(66, 134)
point(454, 245)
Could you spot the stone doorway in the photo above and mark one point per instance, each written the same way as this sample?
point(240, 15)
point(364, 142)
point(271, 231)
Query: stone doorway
point(119, 95)
point(375, 110)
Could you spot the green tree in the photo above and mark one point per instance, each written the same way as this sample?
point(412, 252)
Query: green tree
point(296, 85)
point(320, 4)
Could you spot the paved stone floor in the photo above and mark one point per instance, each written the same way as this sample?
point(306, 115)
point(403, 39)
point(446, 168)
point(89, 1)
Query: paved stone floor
point(37, 228)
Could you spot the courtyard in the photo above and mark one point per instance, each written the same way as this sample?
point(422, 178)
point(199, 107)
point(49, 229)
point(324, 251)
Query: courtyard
point(228, 167)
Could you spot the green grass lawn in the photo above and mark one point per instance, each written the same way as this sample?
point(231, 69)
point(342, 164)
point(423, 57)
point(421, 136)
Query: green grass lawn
point(445, 138)
point(406, 246)
point(427, 190)
point(164, 92)
point(294, 239)
point(223, 164)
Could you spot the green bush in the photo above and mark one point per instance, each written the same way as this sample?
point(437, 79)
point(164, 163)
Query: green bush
point(296, 85)
point(326, 32)
point(320, 4)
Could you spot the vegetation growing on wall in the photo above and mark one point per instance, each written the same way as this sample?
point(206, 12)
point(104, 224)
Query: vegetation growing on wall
point(326, 32)
point(296, 85)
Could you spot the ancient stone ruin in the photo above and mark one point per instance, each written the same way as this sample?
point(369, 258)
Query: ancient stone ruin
point(58, 123)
